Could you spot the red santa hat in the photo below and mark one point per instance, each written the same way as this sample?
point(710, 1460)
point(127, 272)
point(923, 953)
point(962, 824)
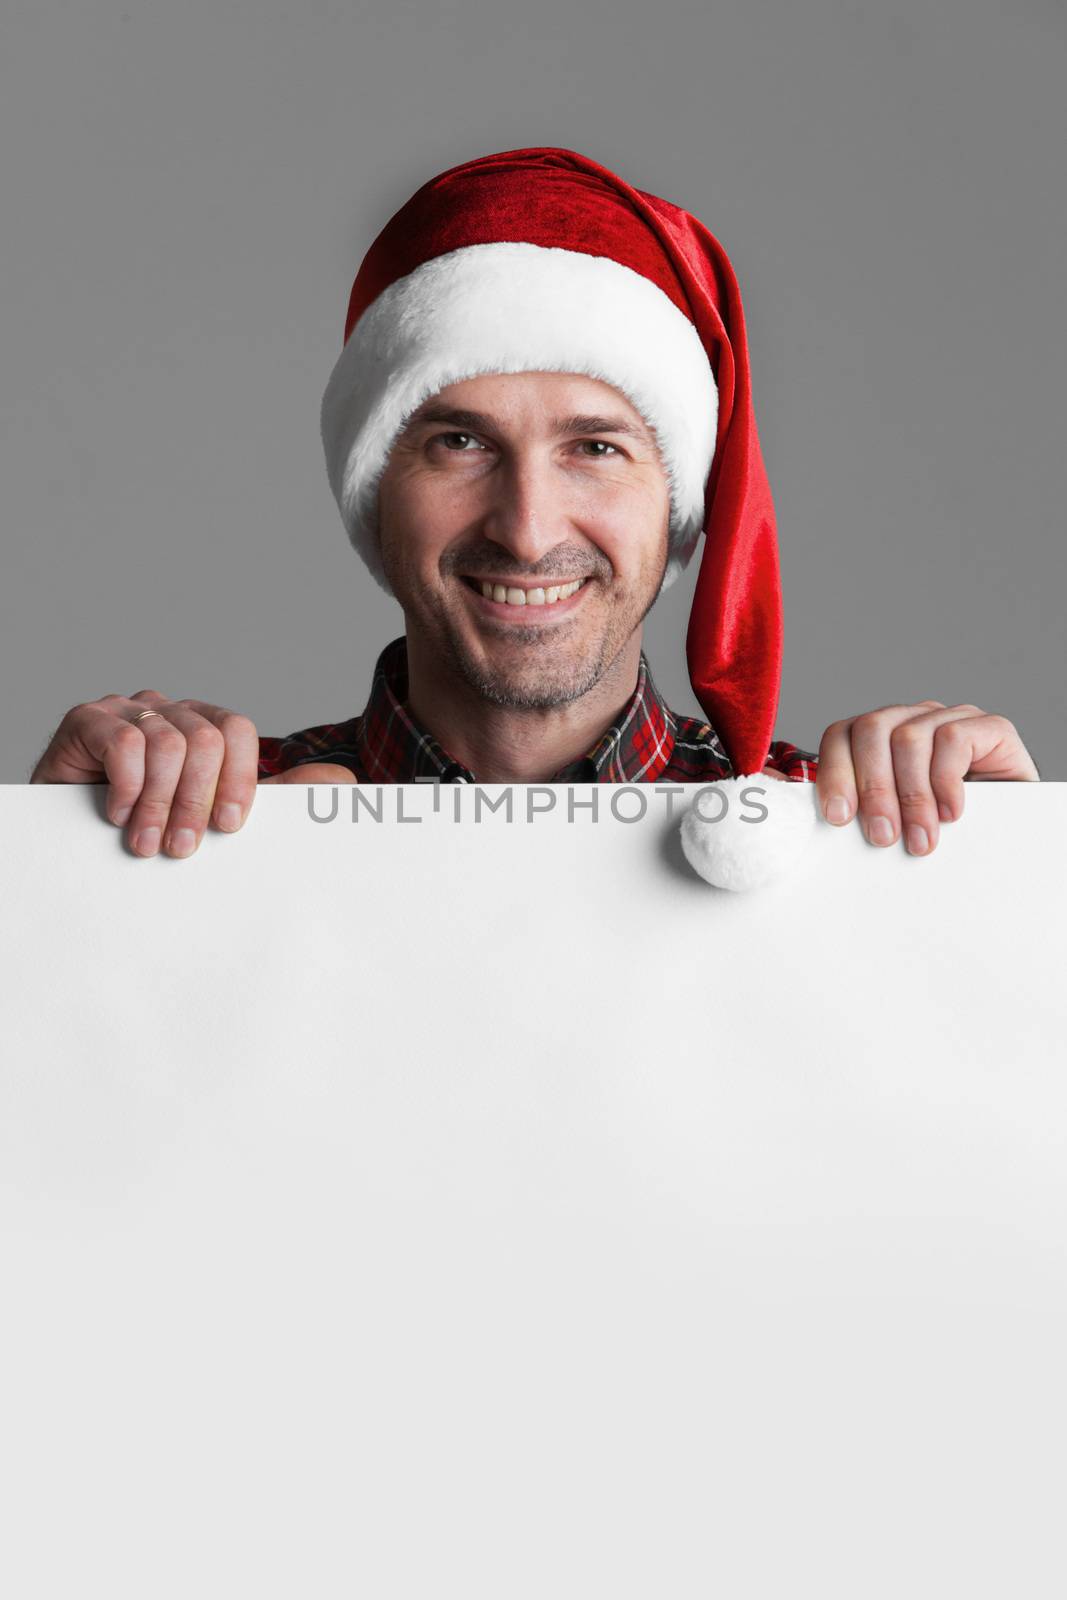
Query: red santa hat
point(543, 260)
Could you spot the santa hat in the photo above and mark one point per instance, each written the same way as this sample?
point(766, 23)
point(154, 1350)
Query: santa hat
point(543, 260)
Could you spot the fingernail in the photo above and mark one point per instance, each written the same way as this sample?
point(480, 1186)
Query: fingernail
point(122, 816)
point(880, 830)
point(229, 816)
point(944, 812)
point(918, 843)
point(838, 809)
point(182, 842)
point(147, 842)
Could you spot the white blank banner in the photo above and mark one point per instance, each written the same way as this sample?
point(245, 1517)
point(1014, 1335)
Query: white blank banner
point(407, 1209)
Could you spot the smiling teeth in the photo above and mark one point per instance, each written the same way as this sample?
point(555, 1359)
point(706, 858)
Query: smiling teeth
point(531, 597)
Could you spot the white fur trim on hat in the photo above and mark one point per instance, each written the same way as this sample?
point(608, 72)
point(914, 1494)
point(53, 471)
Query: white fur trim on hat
point(517, 307)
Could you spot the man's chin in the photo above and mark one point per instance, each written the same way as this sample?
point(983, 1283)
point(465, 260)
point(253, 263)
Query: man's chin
point(527, 691)
point(525, 685)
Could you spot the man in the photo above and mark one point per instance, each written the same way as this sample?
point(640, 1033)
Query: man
point(541, 403)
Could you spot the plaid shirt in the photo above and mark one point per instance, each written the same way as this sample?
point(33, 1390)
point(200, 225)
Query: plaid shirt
point(647, 742)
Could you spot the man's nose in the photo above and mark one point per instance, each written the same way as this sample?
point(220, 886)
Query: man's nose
point(528, 514)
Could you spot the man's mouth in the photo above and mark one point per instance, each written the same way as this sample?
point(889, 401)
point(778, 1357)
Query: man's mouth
point(522, 595)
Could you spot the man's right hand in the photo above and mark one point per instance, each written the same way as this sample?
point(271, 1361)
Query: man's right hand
point(169, 774)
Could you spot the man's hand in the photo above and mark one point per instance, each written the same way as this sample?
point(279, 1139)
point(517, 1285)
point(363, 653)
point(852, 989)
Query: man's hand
point(169, 773)
point(904, 766)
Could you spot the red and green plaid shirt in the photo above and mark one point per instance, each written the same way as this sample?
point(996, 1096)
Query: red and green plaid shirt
point(646, 743)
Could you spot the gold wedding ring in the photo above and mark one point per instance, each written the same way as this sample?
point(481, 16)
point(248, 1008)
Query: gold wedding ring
point(142, 714)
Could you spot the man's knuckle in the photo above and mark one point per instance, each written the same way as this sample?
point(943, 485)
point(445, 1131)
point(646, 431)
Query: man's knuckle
point(168, 741)
point(235, 725)
point(915, 798)
point(152, 812)
point(906, 736)
point(191, 810)
point(205, 740)
point(875, 789)
point(870, 721)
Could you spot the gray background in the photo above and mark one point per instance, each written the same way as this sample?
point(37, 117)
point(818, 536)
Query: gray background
point(187, 193)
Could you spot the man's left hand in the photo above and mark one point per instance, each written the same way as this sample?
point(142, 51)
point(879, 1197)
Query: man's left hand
point(904, 768)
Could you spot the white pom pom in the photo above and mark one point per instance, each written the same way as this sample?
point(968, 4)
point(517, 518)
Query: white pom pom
point(742, 833)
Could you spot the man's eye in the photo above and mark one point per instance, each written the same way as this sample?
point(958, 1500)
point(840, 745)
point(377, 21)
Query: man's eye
point(470, 436)
point(601, 444)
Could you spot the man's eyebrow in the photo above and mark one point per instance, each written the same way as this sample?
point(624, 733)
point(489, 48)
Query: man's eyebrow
point(563, 427)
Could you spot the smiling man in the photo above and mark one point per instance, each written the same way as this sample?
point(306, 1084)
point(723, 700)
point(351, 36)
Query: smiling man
point(525, 534)
point(541, 405)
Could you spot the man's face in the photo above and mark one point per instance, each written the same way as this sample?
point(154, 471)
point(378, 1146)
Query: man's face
point(527, 481)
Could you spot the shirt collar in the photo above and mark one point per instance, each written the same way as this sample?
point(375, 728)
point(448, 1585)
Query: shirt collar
point(635, 748)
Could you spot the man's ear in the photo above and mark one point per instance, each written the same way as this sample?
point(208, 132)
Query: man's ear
point(314, 772)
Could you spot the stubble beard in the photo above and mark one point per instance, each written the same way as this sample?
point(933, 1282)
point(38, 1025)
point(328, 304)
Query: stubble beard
point(556, 678)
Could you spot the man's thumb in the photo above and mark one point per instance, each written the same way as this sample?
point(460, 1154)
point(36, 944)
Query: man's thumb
point(314, 772)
